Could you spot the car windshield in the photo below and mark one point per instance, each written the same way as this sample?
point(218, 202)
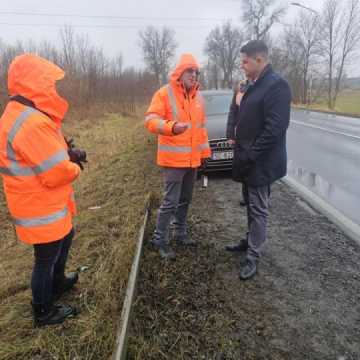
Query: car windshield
point(217, 103)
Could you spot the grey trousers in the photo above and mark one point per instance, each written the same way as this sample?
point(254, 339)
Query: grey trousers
point(257, 214)
point(178, 190)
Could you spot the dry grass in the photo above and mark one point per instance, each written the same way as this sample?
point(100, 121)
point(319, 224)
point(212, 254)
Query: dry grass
point(118, 178)
point(182, 310)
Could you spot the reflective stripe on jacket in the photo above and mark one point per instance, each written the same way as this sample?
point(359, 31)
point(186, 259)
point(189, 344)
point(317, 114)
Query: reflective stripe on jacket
point(36, 170)
point(171, 104)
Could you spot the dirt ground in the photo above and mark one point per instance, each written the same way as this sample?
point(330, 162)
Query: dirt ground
point(303, 304)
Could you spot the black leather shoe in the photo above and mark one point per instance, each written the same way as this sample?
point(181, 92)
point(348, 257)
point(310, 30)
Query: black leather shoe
point(52, 314)
point(240, 246)
point(165, 251)
point(248, 270)
point(64, 285)
point(185, 240)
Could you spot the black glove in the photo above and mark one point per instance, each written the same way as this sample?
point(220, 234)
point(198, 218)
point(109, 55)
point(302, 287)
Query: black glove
point(77, 156)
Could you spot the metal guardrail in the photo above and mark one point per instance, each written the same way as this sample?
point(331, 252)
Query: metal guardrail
point(120, 351)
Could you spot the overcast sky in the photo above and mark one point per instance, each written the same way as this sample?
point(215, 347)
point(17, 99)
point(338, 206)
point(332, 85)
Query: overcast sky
point(123, 38)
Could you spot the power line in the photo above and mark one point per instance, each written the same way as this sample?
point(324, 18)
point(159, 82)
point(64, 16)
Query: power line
point(102, 26)
point(17, 13)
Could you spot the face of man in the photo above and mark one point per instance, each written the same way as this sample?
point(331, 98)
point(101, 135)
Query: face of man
point(189, 78)
point(252, 65)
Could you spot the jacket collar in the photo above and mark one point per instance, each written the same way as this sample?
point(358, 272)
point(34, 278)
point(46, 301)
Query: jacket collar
point(267, 69)
point(252, 84)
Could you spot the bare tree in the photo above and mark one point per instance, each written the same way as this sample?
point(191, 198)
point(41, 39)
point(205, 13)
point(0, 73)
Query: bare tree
point(158, 48)
point(260, 15)
point(67, 37)
point(223, 46)
point(49, 51)
point(305, 36)
point(116, 66)
point(91, 78)
point(286, 60)
point(330, 33)
point(350, 40)
point(210, 75)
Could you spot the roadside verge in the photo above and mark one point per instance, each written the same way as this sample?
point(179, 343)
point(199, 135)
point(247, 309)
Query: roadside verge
point(351, 229)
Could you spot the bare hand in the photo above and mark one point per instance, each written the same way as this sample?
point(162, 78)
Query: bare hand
point(231, 141)
point(180, 127)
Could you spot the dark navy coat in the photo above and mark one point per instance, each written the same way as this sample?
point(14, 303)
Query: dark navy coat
point(259, 127)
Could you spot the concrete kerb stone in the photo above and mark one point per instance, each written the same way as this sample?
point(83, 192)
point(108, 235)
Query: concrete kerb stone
point(120, 352)
point(351, 229)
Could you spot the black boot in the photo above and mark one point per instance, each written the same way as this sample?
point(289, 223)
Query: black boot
point(249, 270)
point(52, 314)
point(64, 285)
point(165, 251)
point(243, 203)
point(240, 246)
point(185, 240)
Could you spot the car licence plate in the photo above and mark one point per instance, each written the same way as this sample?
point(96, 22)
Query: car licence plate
point(222, 155)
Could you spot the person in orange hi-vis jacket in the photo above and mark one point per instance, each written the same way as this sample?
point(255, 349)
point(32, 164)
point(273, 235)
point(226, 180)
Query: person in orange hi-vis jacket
point(176, 114)
point(37, 176)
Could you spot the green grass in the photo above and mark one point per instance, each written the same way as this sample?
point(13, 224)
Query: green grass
point(119, 177)
point(348, 102)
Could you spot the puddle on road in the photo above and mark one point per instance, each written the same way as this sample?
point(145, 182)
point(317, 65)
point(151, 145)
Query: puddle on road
point(339, 198)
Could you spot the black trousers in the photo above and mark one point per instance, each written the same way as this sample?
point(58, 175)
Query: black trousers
point(49, 268)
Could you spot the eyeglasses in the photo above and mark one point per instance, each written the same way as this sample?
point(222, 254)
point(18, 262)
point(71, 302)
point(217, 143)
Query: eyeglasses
point(193, 71)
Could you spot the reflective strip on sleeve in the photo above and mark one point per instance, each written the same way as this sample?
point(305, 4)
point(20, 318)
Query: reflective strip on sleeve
point(51, 162)
point(18, 123)
point(176, 149)
point(6, 171)
point(15, 169)
point(152, 116)
point(160, 126)
point(42, 220)
point(204, 146)
point(15, 129)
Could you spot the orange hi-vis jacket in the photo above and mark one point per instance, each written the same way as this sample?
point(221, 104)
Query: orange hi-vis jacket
point(171, 104)
point(34, 163)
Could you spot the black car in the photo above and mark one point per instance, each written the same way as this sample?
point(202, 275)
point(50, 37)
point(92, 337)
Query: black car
point(217, 104)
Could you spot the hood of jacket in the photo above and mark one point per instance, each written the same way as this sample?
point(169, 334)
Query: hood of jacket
point(34, 78)
point(186, 61)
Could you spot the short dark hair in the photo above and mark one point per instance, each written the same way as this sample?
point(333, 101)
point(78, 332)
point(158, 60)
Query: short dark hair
point(255, 47)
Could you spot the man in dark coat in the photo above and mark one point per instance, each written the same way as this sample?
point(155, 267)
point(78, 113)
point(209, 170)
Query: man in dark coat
point(258, 131)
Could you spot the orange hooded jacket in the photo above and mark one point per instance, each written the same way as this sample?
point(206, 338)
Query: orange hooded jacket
point(170, 104)
point(36, 170)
